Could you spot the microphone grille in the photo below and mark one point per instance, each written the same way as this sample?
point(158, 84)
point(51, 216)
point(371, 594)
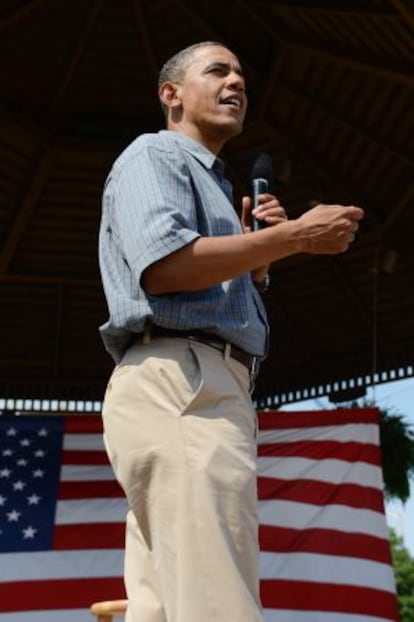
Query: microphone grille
point(260, 167)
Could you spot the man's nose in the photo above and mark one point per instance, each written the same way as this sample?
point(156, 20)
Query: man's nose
point(236, 81)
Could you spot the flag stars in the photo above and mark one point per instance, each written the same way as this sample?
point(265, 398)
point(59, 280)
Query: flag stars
point(13, 516)
point(5, 472)
point(33, 499)
point(25, 442)
point(11, 432)
point(2, 500)
point(29, 533)
point(39, 453)
point(7, 452)
point(38, 473)
point(22, 462)
point(19, 485)
point(43, 432)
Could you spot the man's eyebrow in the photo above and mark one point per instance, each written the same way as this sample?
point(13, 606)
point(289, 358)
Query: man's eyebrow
point(223, 65)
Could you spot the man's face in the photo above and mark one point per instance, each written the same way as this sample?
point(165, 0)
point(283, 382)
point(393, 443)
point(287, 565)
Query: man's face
point(212, 94)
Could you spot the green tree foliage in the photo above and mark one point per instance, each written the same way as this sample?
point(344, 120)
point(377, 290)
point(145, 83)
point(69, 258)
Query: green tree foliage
point(404, 577)
point(397, 447)
point(397, 451)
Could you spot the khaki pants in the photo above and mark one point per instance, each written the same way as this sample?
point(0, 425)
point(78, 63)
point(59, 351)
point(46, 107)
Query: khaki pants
point(180, 432)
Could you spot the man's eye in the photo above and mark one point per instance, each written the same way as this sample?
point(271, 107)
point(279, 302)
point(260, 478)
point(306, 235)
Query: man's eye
point(219, 70)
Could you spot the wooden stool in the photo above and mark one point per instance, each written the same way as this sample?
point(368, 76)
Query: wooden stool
point(106, 610)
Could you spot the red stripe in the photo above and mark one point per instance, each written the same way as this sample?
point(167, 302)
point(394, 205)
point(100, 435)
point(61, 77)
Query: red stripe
point(59, 593)
point(318, 419)
point(90, 490)
point(83, 424)
point(324, 542)
point(308, 596)
point(89, 536)
point(77, 457)
point(320, 450)
point(321, 493)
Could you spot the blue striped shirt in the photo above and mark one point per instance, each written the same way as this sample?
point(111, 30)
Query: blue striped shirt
point(163, 192)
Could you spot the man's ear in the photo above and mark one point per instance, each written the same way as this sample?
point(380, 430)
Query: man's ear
point(170, 94)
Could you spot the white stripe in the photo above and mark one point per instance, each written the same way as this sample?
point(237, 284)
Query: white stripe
point(270, 615)
point(357, 432)
point(44, 565)
point(307, 516)
point(58, 615)
point(327, 569)
point(331, 470)
point(83, 442)
point(91, 511)
point(81, 473)
point(283, 615)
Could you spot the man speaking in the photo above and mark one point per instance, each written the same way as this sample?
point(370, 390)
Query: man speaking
point(187, 330)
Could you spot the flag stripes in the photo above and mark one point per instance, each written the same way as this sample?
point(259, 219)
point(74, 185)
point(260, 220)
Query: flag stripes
point(325, 553)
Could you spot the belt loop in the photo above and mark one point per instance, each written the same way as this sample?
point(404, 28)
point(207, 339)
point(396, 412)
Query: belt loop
point(227, 351)
point(254, 372)
point(146, 339)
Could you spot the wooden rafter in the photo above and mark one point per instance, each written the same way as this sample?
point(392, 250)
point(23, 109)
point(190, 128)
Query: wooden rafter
point(352, 59)
point(405, 201)
point(296, 332)
point(272, 78)
point(406, 9)
point(59, 330)
point(212, 33)
point(261, 20)
point(77, 52)
point(145, 38)
point(303, 154)
point(20, 13)
point(351, 292)
point(29, 279)
point(27, 207)
point(341, 7)
point(314, 103)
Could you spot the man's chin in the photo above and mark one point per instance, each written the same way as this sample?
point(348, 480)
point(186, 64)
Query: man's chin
point(231, 129)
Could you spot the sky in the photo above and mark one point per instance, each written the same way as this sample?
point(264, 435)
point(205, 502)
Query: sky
point(397, 397)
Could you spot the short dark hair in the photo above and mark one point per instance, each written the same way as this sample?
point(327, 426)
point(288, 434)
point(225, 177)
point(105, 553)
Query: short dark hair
point(175, 67)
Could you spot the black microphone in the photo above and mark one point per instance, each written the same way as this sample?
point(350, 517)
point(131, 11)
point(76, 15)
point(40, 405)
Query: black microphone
point(260, 175)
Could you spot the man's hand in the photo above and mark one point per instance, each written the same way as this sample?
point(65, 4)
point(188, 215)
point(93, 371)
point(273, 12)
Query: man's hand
point(328, 229)
point(271, 212)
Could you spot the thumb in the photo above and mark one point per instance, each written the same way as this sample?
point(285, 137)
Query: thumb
point(246, 209)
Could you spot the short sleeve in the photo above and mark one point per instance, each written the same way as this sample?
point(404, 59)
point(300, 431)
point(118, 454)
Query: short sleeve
point(154, 207)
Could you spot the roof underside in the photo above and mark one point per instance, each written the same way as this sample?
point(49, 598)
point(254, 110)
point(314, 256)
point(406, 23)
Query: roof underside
point(331, 93)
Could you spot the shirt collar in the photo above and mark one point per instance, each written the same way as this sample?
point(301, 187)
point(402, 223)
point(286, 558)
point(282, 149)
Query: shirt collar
point(196, 149)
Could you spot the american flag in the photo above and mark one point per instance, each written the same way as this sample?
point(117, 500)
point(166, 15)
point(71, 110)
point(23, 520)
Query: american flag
point(325, 553)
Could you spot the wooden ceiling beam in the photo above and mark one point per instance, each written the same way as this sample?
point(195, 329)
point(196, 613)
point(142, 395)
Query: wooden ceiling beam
point(406, 201)
point(77, 52)
point(213, 34)
point(23, 11)
point(145, 38)
point(297, 334)
point(34, 279)
point(355, 60)
point(272, 78)
point(405, 8)
point(340, 7)
point(27, 207)
point(309, 159)
point(345, 283)
point(261, 20)
point(313, 102)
